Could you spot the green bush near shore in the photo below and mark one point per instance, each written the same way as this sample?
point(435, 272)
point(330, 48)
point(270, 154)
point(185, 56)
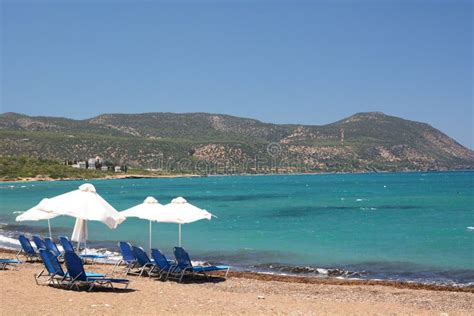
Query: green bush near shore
point(13, 168)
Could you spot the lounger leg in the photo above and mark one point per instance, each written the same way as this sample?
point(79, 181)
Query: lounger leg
point(182, 275)
point(116, 265)
point(37, 276)
point(18, 255)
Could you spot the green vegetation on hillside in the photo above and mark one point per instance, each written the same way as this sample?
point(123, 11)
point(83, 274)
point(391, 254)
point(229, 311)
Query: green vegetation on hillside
point(13, 168)
point(214, 143)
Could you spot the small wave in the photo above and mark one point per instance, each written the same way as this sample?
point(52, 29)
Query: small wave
point(470, 227)
point(368, 208)
point(7, 187)
point(360, 200)
point(306, 270)
point(18, 212)
point(8, 242)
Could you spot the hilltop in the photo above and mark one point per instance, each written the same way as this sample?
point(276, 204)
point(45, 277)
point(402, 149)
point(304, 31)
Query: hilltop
point(215, 143)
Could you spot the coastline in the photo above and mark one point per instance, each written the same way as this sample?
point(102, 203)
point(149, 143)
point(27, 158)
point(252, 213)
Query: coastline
point(240, 293)
point(43, 178)
point(328, 280)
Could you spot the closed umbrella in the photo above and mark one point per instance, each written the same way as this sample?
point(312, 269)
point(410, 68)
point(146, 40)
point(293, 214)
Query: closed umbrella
point(36, 214)
point(181, 212)
point(150, 210)
point(84, 204)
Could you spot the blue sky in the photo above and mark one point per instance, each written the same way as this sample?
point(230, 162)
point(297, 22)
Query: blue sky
point(311, 62)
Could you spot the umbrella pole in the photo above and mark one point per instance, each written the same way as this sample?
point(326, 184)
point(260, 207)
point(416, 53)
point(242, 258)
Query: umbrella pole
point(149, 240)
point(85, 237)
point(179, 230)
point(49, 228)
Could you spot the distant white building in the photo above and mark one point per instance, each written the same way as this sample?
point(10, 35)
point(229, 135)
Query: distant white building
point(91, 162)
point(104, 168)
point(117, 169)
point(81, 165)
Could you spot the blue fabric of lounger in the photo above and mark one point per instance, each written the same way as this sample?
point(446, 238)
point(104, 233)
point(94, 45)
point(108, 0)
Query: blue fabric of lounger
point(26, 248)
point(51, 246)
point(9, 261)
point(143, 260)
point(54, 268)
point(184, 265)
point(77, 273)
point(209, 268)
point(5, 262)
point(66, 243)
point(38, 242)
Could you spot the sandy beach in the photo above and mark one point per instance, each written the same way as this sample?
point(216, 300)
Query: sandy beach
point(240, 293)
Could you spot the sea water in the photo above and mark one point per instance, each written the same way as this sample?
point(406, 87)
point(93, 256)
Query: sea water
point(404, 226)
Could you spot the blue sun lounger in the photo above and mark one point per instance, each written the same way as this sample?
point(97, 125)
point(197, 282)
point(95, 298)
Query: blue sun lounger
point(143, 261)
point(67, 246)
point(127, 256)
point(184, 265)
point(5, 262)
point(54, 270)
point(39, 243)
point(51, 246)
point(26, 249)
point(78, 276)
point(162, 264)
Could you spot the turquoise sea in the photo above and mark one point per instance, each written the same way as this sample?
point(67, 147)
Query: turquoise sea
point(404, 226)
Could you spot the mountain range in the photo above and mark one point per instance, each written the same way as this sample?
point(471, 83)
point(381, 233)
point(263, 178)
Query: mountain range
point(216, 143)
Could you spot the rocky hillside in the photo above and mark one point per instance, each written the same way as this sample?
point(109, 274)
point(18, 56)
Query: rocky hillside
point(215, 143)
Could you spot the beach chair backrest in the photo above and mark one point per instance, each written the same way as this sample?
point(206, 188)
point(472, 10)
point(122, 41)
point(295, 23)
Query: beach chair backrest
point(74, 266)
point(159, 258)
point(126, 251)
point(26, 245)
point(66, 243)
point(182, 258)
point(51, 246)
point(50, 262)
point(38, 242)
point(140, 254)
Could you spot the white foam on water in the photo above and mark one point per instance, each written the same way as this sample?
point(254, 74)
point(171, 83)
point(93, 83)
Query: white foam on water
point(8, 242)
point(322, 271)
point(470, 227)
point(18, 212)
point(360, 200)
point(111, 257)
point(368, 208)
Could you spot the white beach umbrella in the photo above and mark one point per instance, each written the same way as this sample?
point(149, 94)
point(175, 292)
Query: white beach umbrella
point(179, 211)
point(36, 214)
point(150, 210)
point(85, 205)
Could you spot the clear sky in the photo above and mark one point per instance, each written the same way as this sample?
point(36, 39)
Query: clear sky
point(311, 62)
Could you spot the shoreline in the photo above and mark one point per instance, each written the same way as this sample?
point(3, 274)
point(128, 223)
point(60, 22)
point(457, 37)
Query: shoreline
point(43, 178)
point(327, 280)
point(247, 294)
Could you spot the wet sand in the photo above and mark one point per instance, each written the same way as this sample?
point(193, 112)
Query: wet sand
point(240, 293)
